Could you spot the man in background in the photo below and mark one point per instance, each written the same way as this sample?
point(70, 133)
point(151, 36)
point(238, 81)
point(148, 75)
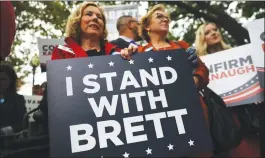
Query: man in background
point(128, 28)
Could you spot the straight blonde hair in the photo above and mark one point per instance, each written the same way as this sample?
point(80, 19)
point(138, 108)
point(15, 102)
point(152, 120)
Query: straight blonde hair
point(73, 23)
point(200, 43)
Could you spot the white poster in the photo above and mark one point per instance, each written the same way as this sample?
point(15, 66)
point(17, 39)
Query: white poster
point(233, 76)
point(32, 102)
point(46, 47)
point(257, 38)
point(113, 12)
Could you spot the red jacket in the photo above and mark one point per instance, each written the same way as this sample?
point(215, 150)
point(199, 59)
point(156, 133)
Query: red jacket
point(73, 50)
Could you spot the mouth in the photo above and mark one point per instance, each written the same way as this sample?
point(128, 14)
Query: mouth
point(164, 24)
point(215, 37)
point(93, 26)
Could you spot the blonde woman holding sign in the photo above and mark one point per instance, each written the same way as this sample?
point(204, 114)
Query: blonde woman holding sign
point(154, 29)
point(86, 34)
point(209, 41)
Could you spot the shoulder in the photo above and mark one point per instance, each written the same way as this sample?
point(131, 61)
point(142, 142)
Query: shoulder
point(119, 40)
point(65, 48)
point(182, 44)
point(115, 41)
point(121, 43)
point(145, 47)
point(62, 52)
point(19, 97)
point(111, 49)
point(19, 100)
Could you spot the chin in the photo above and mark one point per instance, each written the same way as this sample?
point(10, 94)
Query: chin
point(94, 33)
point(164, 31)
point(165, 28)
point(217, 41)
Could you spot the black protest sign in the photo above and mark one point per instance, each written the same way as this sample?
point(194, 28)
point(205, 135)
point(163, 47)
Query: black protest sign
point(110, 107)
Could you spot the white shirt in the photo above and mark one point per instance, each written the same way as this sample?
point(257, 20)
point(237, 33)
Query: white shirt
point(126, 39)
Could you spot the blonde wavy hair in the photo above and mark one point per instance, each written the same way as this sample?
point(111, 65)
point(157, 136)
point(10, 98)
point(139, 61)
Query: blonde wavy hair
point(145, 21)
point(73, 23)
point(200, 43)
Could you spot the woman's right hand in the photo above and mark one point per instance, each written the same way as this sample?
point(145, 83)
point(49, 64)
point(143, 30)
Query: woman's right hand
point(127, 53)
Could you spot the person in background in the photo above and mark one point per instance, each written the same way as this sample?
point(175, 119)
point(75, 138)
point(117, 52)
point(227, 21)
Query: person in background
point(36, 90)
point(262, 37)
point(154, 29)
point(128, 28)
point(43, 87)
point(12, 105)
point(208, 41)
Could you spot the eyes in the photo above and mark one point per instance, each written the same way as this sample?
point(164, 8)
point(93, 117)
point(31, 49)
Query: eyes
point(162, 17)
point(90, 14)
point(208, 31)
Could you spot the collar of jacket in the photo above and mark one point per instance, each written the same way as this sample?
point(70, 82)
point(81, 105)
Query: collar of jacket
point(150, 47)
point(109, 48)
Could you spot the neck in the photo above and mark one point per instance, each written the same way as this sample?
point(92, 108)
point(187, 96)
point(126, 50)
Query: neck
point(157, 40)
point(129, 34)
point(214, 48)
point(90, 43)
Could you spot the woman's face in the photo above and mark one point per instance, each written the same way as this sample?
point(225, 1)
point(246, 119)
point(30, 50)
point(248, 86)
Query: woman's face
point(159, 22)
point(92, 22)
point(4, 82)
point(212, 35)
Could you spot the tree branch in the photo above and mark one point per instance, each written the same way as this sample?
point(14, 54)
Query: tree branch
point(219, 17)
point(195, 11)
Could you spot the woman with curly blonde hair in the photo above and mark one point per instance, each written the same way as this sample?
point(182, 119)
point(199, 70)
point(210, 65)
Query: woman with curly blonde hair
point(85, 34)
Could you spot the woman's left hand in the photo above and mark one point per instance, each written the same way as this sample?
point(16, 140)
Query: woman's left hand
point(192, 56)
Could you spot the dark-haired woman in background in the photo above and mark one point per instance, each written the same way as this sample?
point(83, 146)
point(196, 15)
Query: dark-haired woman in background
point(12, 105)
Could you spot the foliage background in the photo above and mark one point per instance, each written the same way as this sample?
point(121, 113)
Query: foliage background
point(47, 19)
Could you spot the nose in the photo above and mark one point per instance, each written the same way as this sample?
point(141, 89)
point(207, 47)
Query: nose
point(94, 16)
point(213, 33)
point(165, 19)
